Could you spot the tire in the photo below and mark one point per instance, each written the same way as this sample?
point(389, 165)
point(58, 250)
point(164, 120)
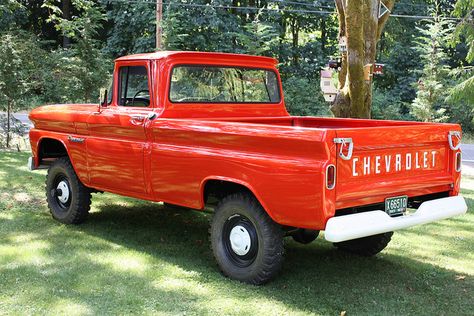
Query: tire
point(68, 199)
point(305, 236)
point(366, 246)
point(255, 253)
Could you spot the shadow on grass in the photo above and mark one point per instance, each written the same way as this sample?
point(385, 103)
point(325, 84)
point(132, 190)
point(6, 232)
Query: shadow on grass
point(315, 278)
point(139, 257)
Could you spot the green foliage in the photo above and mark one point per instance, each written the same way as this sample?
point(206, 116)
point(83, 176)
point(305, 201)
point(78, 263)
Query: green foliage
point(428, 105)
point(132, 28)
point(84, 59)
point(302, 42)
point(465, 29)
point(201, 29)
point(462, 94)
point(258, 38)
point(303, 97)
point(387, 105)
point(13, 75)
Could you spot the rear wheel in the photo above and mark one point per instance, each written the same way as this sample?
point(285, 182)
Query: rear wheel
point(246, 242)
point(366, 246)
point(68, 199)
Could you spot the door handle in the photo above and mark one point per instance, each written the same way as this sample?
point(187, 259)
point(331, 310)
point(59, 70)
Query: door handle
point(137, 119)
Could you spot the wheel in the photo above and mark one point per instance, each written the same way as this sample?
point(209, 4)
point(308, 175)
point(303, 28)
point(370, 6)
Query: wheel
point(305, 236)
point(366, 246)
point(246, 242)
point(68, 199)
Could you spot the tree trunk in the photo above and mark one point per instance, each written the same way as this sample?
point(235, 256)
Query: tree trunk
point(295, 39)
point(9, 108)
point(66, 8)
point(359, 22)
point(323, 35)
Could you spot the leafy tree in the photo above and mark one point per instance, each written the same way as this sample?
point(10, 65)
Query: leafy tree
point(428, 104)
point(84, 58)
point(132, 28)
point(303, 97)
point(258, 38)
point(463, 92)
point(13, 78)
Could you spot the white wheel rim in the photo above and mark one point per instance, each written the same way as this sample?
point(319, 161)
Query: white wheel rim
point(64, 196)
point(240, 240)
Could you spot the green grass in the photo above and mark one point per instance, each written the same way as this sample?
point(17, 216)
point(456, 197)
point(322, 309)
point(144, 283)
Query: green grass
point(139, 257)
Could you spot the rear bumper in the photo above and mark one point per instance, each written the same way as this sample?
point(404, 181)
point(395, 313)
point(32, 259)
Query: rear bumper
point(347, 227)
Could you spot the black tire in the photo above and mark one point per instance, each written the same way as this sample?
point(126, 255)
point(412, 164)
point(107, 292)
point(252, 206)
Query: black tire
point(366, 246)
point(71, 206)
point(305, 236)
point(261, 258)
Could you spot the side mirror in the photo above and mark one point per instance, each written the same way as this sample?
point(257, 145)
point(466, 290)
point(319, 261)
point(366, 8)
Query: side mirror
point(103, 98)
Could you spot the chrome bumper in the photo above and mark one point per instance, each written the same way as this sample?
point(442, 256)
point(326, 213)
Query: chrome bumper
point(347, 227)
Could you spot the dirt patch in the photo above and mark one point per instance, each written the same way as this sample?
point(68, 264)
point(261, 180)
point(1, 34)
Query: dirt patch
point(22, 197)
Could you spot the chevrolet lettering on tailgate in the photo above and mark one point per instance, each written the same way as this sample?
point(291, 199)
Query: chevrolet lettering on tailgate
point(383, 164)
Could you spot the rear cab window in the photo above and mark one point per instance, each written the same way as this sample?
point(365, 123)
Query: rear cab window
point(219, 84)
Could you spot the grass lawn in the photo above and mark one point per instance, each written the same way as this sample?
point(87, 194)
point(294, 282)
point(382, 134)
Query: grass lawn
point(139, 257)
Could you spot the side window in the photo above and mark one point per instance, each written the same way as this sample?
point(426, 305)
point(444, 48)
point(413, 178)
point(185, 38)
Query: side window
point(133, 86)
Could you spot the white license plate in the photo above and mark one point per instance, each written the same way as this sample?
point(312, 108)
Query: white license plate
point(395, 206)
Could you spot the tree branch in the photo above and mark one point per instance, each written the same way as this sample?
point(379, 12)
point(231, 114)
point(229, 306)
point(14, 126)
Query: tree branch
point(383, 20)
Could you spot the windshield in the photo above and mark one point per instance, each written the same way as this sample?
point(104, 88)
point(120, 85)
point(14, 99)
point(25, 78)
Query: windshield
point(215, 84)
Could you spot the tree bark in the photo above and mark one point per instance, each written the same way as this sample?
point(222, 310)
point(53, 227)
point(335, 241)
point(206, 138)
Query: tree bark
point(66, 8)
point(359, 22)
point(295, 29)
point(323, 35)
point(9, 108)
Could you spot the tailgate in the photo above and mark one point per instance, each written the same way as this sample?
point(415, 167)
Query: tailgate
point(390, 161)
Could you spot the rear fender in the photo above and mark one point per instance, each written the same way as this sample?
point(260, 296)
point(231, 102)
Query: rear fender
point(236, 181)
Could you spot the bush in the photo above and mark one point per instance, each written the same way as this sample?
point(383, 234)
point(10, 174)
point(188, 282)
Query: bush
point(303, 97)
point(388, 106)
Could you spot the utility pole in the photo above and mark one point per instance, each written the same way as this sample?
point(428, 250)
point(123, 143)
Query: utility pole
point(159, 17)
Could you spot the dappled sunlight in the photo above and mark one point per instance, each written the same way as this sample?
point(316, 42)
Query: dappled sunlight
point(129, 261)
point(140, 257)
point(177, 281)
point(29, 253)
point(69, 307)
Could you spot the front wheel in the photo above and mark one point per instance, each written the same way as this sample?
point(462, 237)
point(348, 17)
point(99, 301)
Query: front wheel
point(68, 199)
point(246, 242)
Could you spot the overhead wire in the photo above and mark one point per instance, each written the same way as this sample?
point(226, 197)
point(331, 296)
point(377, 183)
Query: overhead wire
point(280, 10)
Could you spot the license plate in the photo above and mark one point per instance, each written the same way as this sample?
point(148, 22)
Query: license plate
point(395, 206)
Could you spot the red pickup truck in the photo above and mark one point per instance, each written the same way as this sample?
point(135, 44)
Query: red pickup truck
point(190, 129)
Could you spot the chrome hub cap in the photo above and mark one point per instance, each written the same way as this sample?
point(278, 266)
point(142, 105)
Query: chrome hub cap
point(240, 240)
point(64, 189)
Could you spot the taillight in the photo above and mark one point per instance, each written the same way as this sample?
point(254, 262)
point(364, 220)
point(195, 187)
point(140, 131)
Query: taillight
point(330, 177)
point(458, 161)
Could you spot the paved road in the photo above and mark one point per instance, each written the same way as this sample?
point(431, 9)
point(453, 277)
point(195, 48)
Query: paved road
point(22, 117)
point(467, 152)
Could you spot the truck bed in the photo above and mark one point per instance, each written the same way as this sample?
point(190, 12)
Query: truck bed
point(390, 158)
point(321, 122)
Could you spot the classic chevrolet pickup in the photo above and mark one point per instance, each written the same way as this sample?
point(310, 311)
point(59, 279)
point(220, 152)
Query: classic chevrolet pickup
point(191, 129)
